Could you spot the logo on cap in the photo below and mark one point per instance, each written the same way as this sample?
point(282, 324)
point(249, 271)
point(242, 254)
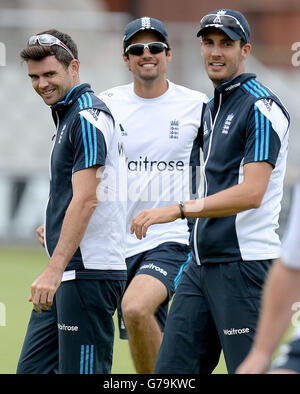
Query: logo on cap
point(146, 22)
point(217, 20)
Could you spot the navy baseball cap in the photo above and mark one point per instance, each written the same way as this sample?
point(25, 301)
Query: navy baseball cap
point(232, 23)
point(145, 23)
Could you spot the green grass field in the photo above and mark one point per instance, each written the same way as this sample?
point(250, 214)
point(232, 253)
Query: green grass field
point(18, 269)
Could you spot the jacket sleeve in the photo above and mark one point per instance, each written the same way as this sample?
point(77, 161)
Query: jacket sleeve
point(88, 140)
point(267, 128)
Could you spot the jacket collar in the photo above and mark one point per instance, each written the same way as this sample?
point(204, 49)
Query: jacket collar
point(228, 87)
point(72, 96)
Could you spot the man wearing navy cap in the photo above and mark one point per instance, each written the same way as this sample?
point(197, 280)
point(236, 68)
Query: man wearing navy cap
point(245, 136)
point(159, 123)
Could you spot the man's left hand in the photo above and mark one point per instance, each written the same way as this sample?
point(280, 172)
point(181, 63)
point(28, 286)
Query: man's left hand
point(141, 222)
point(44, 288)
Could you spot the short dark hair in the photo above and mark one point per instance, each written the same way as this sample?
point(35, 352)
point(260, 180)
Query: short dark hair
point(38, 52)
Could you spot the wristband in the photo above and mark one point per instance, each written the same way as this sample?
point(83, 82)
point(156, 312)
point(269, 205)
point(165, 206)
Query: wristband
point(180, 204)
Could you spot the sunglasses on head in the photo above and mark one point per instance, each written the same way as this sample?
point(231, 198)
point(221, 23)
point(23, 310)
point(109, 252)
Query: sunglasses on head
point(48, 40)
point(221, 20)
point(153, 47)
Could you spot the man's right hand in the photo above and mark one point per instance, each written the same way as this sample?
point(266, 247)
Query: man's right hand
point(40, 235)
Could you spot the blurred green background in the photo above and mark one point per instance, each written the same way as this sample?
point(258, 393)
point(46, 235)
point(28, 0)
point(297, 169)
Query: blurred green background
point(18, 269)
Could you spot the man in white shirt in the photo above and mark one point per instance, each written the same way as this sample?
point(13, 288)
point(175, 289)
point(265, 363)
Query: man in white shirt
point(159, 123)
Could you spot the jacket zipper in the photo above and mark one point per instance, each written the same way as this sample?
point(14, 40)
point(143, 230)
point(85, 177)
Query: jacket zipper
point(50, 176)
point(205, 179)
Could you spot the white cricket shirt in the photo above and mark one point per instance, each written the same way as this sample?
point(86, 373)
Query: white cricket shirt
point(159, 140)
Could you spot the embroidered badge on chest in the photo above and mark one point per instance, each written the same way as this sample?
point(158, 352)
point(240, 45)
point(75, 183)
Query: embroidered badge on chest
point(227, 123)
point(174, 129)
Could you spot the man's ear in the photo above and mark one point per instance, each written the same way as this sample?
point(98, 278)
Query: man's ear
point(169, 55)
point(126, 61)
point(246, 49)
point(74, 67)
point(201, 47)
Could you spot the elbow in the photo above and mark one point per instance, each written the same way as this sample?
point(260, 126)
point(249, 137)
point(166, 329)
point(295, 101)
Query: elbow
point(88, 204)
point(91, 203)
point(255, 200)
point(256, 205)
